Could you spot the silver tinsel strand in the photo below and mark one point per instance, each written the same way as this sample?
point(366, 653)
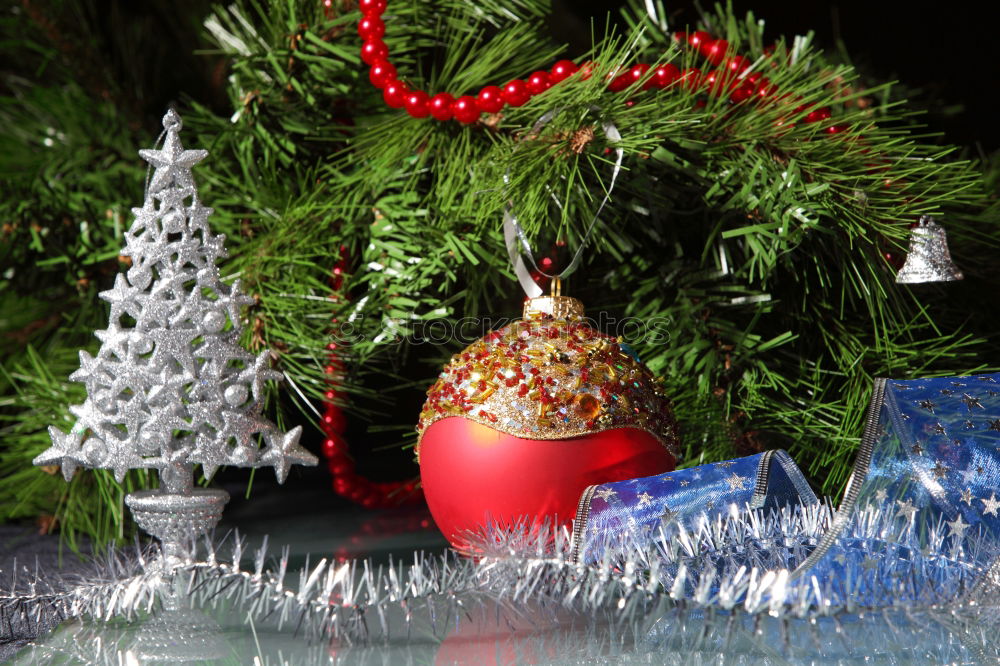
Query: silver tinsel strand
point(735, 568)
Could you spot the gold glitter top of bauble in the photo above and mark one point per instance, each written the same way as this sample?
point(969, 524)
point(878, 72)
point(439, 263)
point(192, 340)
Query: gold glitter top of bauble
point(550, 376)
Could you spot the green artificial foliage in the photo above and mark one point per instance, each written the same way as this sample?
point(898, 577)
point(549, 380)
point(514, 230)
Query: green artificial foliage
point(754, 243)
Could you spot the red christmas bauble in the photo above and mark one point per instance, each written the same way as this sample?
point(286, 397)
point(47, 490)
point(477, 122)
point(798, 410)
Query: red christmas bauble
point(524, 419)
point(472, 474)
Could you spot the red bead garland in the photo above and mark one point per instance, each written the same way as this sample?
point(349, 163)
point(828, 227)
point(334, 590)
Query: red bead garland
point(346, 482)
point(729, 79)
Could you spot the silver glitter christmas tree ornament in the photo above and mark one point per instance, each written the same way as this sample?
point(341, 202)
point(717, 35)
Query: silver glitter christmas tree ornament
point(928, 259)
point(171, 387)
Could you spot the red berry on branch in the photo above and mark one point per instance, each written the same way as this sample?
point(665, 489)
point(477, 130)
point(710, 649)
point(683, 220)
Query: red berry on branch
point(699, 39)
point(662, 76)
point(691, 78)
point(490, 99)
point(371, 27)
point(835, 129)
point(516, 93)
point(371, 7)
point(394, 92)
point(416, 104)
point(563, 69)
point(764, 88)
point(742, 93)
point(440, 106)
point(715, 51)
point(637, 72)
point(381, 72)
point(539, 82)
point(737, 64)
point(373, 50)
point(818, 115)
point(620, 82)
point(586, 70)
point(465, 109)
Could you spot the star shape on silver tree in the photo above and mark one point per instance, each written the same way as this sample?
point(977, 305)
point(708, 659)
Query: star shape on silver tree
point(175, 343)
point(219, 350)
point(64, 451)
point(121, 457)
point(133, 413)
point(283, 451)
point(114, 340)
point(172, 163)
point(91, 370)
point(255, 375)
point(235, 301)
point(123, 299)
point(209, 454)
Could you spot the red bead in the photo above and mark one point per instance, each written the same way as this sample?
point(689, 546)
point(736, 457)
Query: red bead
point(373, 50)
point(587, 70)
point(371, 27)
point(699, 39)
point(638, 72)
point(394, 93)
point(764, 88)
point(465, 109)
point(416, 103)
point(737, 64)
point(835, 129)
point(715, 51)
point(516, 93)
point(721, 81)
point(440, 106)
point(490, 99)
point(818, 115)
point(620, 82)
point(691, 78)
point(381, 72)
point(563, 69)
point(539, 82)
point(662, 76)
point(742, 93)
point(371, 7)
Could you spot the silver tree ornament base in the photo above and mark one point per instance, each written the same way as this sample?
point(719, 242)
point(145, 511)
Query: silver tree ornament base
point(176, 519)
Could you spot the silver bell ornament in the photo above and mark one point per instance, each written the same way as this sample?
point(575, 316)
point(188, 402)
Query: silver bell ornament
point(928, 259)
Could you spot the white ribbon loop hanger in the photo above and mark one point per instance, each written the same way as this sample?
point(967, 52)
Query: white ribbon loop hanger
point(522, 258)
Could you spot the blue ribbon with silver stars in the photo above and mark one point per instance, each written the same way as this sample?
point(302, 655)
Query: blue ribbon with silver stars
point(920, 519)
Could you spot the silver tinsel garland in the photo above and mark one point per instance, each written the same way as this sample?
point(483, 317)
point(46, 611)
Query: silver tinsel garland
point(729, 576)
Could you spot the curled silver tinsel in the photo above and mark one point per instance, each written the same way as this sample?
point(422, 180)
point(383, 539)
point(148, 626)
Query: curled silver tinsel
point(733, 570)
